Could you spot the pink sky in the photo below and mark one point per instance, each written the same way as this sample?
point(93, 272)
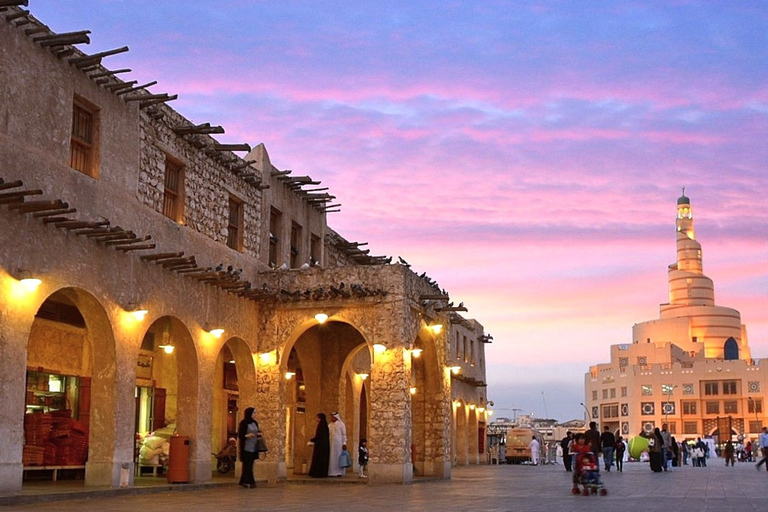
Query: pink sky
point(527, 155)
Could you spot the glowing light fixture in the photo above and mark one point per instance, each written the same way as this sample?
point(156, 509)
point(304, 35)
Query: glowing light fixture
point(216, 332)
point(289, 375)
point(455, 369)
point(436, 328)
point(379, 348)
point(265, 357)
point(167, 348)
point(139, 314)
point(412, 391)
point(26, 280)
point(363, 376)
point(481, 409)
point(321, 318)
point(416, 352)
point(472, 406)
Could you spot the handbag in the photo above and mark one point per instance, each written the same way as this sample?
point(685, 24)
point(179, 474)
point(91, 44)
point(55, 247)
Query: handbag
point(345, 460)
point(261, 444)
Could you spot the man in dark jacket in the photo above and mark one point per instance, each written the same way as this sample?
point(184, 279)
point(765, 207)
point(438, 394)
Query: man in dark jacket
point(608, 441)
point(567, 460)
point(592, 438)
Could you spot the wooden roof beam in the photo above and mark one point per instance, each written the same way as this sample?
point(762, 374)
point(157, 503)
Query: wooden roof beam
point(95, 59)
point(66, 38)
point(204, 128)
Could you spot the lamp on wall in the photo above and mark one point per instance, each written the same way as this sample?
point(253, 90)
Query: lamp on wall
point(363, 376)
point(216, 332)
point(455, 369)
point(379, 348)
point(136, 312)
point(27, 280)
point(321, 318)
point(412, 391)
point(289, 375)
point(436, 328)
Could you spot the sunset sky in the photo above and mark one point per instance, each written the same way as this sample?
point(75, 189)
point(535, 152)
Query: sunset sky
point(527, 155)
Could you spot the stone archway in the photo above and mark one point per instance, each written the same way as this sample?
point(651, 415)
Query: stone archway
point(174, 383)
point(72, 341)
point(322, 374)
point(234, 379)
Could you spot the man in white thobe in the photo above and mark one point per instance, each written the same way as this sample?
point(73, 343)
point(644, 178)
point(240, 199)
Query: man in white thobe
point(338, 444)
point(534, 447)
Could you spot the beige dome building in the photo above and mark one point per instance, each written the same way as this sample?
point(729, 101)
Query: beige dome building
point(691, 368)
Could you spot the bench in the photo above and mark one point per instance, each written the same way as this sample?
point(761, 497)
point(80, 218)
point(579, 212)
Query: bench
point(53, 469)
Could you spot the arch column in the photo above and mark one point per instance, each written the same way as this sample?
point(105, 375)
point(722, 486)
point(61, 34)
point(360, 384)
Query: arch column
point(391, 421)
point(271, 415)
point(15, 322)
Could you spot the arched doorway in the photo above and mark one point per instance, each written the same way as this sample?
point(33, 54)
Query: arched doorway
point(323, 378)
point(166, 393)
point(234, 375)
point(71, 378)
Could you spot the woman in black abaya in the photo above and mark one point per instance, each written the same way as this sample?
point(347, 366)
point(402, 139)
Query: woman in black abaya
point(322, 450)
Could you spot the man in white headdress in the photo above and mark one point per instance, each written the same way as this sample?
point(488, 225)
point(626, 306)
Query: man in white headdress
point(338, 436)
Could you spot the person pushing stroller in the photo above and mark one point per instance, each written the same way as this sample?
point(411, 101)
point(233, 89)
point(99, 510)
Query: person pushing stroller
point(586, 469)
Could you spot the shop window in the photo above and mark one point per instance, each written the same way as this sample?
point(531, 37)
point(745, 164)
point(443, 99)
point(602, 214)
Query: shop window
point(173, 198)
point(275, 227)
point(83, 153)
point(314, 250)
point(296, 249)
point(610, 411)
point(235, 224)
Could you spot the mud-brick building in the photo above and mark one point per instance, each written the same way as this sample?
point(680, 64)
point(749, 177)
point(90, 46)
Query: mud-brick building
point(155, 280)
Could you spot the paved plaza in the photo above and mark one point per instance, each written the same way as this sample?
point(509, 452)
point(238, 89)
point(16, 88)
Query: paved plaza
point(489, 488)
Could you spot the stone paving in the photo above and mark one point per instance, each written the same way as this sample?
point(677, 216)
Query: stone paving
point(489, 488)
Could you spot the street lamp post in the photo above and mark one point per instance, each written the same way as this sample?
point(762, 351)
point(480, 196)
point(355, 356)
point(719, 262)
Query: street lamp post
point(589, 416)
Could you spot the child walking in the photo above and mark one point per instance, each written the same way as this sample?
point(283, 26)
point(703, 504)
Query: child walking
point(362, 456)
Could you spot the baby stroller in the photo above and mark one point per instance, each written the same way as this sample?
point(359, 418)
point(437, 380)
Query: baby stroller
point(588, 475)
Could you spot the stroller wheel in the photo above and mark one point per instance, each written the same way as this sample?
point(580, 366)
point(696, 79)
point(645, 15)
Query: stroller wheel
point(603, 492)
point(594, 490)
point(575, 490)
point(585, 492)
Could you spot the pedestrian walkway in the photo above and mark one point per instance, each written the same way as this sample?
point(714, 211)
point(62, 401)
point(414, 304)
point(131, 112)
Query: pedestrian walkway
point(715, 488)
